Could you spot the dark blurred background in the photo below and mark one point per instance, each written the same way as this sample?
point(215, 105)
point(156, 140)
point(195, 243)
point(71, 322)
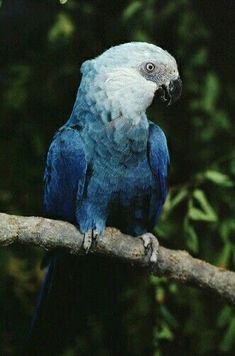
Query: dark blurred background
point(42, 45)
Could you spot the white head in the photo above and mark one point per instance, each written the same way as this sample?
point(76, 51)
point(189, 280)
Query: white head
point(125, 78)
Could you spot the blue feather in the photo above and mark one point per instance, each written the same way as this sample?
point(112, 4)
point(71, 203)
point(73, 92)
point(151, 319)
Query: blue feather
point(65, 173)
point(159, 162)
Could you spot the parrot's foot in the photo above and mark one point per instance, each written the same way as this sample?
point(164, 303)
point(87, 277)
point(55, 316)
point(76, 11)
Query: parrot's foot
point(89, 238)
point(151, 244)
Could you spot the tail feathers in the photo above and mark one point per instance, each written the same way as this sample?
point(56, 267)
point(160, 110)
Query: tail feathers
point(51, 326)
point(43, 296)
point(82, 306)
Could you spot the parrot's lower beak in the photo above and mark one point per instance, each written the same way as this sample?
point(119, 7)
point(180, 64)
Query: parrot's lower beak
point(170, 94)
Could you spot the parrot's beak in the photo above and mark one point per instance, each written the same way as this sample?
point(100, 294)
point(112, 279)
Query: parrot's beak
point(170, 94)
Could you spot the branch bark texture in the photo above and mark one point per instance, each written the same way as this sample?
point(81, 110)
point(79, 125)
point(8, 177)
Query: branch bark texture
point(177, 265)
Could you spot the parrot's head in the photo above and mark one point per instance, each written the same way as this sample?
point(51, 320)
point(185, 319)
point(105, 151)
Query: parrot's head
point(125, 78)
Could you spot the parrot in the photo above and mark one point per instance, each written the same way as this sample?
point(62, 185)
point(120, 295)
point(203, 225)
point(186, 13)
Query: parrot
point(106, 166)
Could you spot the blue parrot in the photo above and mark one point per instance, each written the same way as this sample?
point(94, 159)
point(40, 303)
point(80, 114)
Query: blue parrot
point(107, 166)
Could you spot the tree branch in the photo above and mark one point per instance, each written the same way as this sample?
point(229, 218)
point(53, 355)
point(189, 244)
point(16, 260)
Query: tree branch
point(177, 265)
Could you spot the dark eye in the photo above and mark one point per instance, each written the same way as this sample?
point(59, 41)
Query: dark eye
point(149, 67)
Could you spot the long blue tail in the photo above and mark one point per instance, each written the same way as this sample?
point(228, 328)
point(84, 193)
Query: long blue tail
point(83, 306)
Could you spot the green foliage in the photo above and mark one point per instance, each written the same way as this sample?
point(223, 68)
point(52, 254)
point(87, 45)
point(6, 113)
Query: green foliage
point(43, 45)
point(132, 9)
point(218, 178)
point(63, 28)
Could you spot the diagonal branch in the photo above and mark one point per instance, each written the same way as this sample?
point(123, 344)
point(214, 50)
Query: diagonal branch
point(178, 265)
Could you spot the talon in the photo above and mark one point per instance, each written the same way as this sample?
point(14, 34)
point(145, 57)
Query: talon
point(90, 237)
point(95, 235)
point(87, 241)
point(151, 243)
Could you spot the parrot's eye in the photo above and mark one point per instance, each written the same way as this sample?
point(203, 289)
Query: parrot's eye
point(149, 67)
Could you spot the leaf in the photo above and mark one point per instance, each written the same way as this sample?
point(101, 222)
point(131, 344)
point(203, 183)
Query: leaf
point(225, 255)
point(168, 317)
point(232, 165)
point(160, 295)
point(229, 337)
point(200, 57)
point(16, 94)
point(176, 200)
point(206, 213)
point(131, 10)
point(192, 238)
point(211, 92)
point(173, 287)
point(218, 178)
point(62, 28)
point(227, 228)
point(165, 333)
point(140, 35)
point(163, 230)
point(224, 316)
point(197, 214)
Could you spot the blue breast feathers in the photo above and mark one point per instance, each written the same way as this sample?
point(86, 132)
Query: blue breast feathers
point(81, 189)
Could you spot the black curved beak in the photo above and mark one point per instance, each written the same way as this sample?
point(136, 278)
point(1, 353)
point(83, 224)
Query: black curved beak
point(172, 93)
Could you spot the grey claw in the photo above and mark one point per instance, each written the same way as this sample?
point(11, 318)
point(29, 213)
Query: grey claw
point(95, 235)
point(151, 243)
point(89, 237)
point(87, 241)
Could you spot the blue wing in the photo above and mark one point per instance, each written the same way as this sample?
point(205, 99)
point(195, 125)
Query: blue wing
point(158, 156)
point(65, 174)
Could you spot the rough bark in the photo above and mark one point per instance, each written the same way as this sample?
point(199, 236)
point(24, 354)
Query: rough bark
point(177, 265)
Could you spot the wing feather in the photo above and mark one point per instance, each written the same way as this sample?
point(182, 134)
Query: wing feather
point(158, 156)
point(65, 174)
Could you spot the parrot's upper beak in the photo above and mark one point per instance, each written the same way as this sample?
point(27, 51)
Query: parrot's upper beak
point(170, 94)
